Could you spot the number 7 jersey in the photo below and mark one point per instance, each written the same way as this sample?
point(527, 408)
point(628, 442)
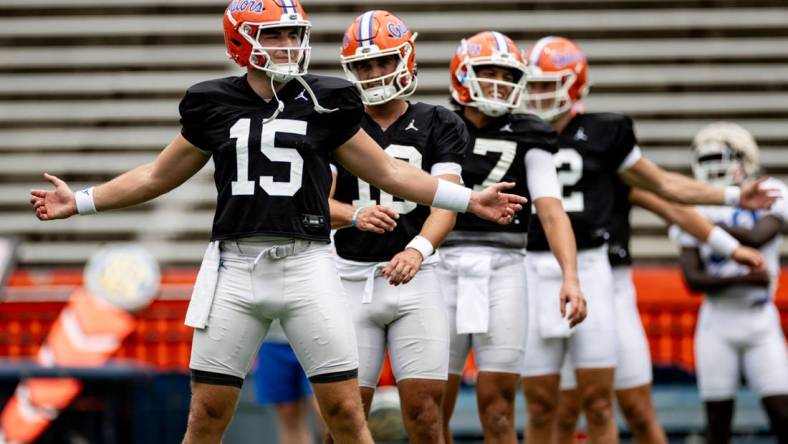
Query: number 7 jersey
point(497, 154)
point(426, 136)
point(272, 178)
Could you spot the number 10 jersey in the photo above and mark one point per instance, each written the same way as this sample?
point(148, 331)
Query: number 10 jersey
point(424, 136)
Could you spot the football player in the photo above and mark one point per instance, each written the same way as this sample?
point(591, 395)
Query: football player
point(633, 374)
point(482, 269)
point(738, 329)
point(384, 241)
point(270, 134)
point(596, 149)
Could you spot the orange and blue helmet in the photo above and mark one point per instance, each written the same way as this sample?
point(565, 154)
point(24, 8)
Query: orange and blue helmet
point(489, 48)
point(245, 20)
point(559, 61)
point(376, 34)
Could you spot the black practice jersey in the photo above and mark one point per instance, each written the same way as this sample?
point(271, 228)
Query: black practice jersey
point(591, 149)
point(273, 178)
point(620, 229)
point(497, 154)
point(424, 136)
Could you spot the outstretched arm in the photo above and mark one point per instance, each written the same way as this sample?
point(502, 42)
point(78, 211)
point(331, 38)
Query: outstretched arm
point(682, 189)
point(362, 156)
point(698, 226)
point(178, 161)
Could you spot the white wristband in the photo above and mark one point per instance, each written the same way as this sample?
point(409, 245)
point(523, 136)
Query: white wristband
point(721, 242)
point(355, 216)
point(85, 204)
point(422, 245)
point(451, 196)
point(732, 195)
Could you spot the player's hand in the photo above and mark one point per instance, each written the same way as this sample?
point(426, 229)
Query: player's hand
point(377, 219)
point(55, 204)
point(749, 257)
point(402, 267)
point(494, 205)
point(571, 294)
point(754, 197)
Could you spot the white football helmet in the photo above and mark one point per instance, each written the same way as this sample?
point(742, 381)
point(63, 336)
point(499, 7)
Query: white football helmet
point(724, 153)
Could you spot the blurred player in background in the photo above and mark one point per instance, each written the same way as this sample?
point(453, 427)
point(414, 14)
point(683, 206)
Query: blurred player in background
point(482, 268)
point(270, 133)
point(633, 375)
point(385, 246)
point(738, 326)
point(597, 150)
point(280, 382)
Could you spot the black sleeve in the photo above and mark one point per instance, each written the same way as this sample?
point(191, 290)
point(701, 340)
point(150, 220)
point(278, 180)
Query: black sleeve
point(193, 110)
point(451, 137)
point(535, 133)
point(549, 140)
point(624, 142)
point(346, 120)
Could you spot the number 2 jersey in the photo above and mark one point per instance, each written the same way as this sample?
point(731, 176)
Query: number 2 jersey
point(497, 154)
point(428, 137)
point(593, 148)
point(272, 178)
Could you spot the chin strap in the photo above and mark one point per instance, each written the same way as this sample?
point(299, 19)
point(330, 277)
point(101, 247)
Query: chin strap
point(281, 105)
point(317, 107)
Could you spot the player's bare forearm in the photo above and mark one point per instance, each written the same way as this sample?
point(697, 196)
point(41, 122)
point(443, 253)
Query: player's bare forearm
point(560, 236)
point(671, 186)
point(179, 161)
point(341, 213)
point(685, 217)
point(362, 156)
point(703, 282)
point(699, 280)
point(764, 230)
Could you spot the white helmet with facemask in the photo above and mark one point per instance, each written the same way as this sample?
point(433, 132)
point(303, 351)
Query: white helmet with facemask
point(724, 153)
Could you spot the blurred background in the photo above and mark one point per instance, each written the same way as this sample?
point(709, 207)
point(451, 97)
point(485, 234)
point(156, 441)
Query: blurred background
point(90, 88)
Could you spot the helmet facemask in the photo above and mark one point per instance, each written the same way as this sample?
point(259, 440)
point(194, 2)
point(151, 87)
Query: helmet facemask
point(724, 153)
point(500, 103)
point(549, 103)
point(717, 164)
point(261, 58)
point(400, 83)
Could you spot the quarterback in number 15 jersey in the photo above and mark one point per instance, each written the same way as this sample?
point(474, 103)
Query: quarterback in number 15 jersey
point(425, 136)
point(272, 178)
